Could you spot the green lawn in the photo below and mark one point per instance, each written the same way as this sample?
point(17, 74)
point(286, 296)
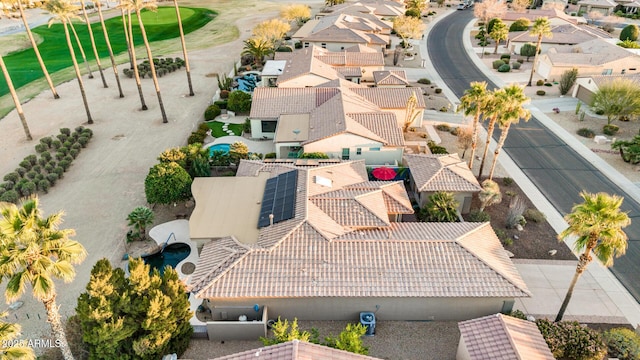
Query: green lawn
point(216, 129)
point(23, 65)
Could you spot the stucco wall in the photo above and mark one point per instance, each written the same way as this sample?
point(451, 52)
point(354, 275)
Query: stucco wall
point(337, 46)
point(333, 147)
point(437, 309)
point(309, 80)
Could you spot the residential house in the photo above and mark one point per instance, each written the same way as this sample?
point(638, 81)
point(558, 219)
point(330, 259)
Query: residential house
point(327, 250)
point(390, 79)
point(566, 35)
point(501, 336)
point(431, 173)
point(556, 16)
point(604, 7)
point(340, 31)
point(594, 57)
point(340, 118)
point(586, 86)
point(628, 6)
point(296, 350)
point(382, 9)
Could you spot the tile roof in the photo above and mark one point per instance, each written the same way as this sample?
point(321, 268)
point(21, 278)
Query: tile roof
point(502, 337)
point(603, 79)
point(268, 102)
point(390, 98)
point(354, 208)
point(349, 71)
point(594, 52)
point(602, 3)
point(395, 196)
point(296, 350)
point(393, 77)
point(383, 124)
point(303, 62)
point(361, 48)
point(562, 34)
point(305, 264)
point(215, 258)
point(441, 173)
point(533, 14)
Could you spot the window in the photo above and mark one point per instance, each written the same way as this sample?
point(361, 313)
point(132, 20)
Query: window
point(607, 71)
point(358, 151)
point(374, 149)
point(324, 45)
point(269, 126)
point(345, 154)
point(306, 44)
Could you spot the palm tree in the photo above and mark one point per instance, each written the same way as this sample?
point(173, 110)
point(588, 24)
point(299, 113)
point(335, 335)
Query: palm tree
point(106, 38)
point(93, 43)
point(184, 48)
point(499, 32)
point(15, 98)
point(597, 223)
point(473, 102)
point(490, 194)
point(64, 11)
point(493, 108)
point(34, 44)
point(34, 252)
point(139, 218)
point(541, 27)
point(132, 52)
point(126, 38)
point(8, 332)
point(258, 47)
point(84, 57)
point(512, 112)
point(138, 6)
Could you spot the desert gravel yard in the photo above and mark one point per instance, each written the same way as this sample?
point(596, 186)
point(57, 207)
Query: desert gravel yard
point(394, 340)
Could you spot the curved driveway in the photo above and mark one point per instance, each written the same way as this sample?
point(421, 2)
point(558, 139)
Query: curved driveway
point(555, 168)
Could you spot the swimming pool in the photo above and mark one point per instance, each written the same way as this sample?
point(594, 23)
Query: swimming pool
point(218, 147)
point(172, 255)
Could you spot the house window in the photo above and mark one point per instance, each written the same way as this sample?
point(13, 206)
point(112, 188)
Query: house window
point(306, 44)
point(632, 69)
point(374, 149)
point(358, 151)
point(607, 71)
point(324, 45)
point(345, 154)
point(269, 126)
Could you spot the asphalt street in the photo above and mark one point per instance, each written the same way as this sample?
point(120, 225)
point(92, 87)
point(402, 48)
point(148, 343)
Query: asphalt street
point(558, 171)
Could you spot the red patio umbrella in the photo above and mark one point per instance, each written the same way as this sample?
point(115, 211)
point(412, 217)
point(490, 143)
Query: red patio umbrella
point(384, 173)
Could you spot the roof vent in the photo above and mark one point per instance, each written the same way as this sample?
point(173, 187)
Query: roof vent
point(323, 181)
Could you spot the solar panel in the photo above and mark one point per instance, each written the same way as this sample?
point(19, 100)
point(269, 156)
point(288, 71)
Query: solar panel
point(279, 199)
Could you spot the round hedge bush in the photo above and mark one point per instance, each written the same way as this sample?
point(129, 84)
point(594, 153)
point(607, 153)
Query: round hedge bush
point(540, 82)
point(516, 65)
point(610, 129)
point(497, 63)
point(10, 196)
point(504, 68)
point(540, 92)
point(622, 343)
point(586, 132)
point(52, 177)
point(212, 112)
point(424, 81)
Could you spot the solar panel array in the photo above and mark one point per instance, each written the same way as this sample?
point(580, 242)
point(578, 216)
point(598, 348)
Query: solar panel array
point(279, 198)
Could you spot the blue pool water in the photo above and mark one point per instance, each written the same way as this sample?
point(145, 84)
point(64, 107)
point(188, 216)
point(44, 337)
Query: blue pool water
point(218, 147)
point(171, 256)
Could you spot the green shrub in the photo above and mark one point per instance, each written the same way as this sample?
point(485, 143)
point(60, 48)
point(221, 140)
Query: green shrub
point(31, 174)
point(534, 215)
point(42, 161)
point(443, 127)
point(435, 148)
point(39, 177)
point(87, 132)
point(26, 164)
point(413, 13)
point(497, 63)
point(46, 156)
point(610, 129)
point(196, 137)
point(442, 207)
point(59, 170)
point(541, 92)
point(7, 185)
point(65, 131)
point(479, 216)
point(36, 168)
point(56, 144)
point(622, 343)
point(438, 90)
point(60, 155)
point(21, 171)
point(491, 24)
point(271, 155)
point(505, 57)
point(52, 177)
point(222, 104)
point(516, 65)
point(507, 181)
point(570, 340)
point(239, 101)
point(10, 196)
point(32, 159)
point(454, 131)
point(630, 32)
point(586, 132)
point(28, 188)
point(540, 82)
point(567, 79)
point(212, 112)
point(76, 146)
point(520, 61)
point(83, 141)
point(518, 314)
point(504, 68)
point(424, 81)
point(62, 137)
point(46, 141)
point(313, 155)
point(12, 176)
point(65, 164)
point(521, 24)
point(548, 84)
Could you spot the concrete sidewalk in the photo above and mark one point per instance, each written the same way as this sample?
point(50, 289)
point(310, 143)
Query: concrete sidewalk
point(599, 296)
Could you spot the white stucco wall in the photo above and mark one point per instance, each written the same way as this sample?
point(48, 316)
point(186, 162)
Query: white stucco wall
point(340, 46)
point(333, 147)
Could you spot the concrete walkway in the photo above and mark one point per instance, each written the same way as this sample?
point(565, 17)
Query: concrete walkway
point(599, 296)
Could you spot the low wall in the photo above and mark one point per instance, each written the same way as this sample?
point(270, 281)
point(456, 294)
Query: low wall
point(226, 326)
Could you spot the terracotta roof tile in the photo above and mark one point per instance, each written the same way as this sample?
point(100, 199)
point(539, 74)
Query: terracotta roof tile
point(349, 71)
point(441, 173)
point(390, 98)
point(349, 58)
point(215, 258)
point(268, 102)
point(395, 195)
point(394, 77)
point(502, 337)
point(303, 62)
point(382, 124)
point(295, 350)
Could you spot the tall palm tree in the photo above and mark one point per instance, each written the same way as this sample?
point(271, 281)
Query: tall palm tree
point(16, 100)
point(34, 251)
point(132, 52)
point(598, 224)
point(64, 11)
point(93, 43)
point(184, 48)
point(84, 56)
point(493, 108)
point(126, 38)
point(473, 102)
point(34, 44)
point(9, 332)
point(258, 47)
point(541, 28)
point(106, 39)
point(512, 112)
point(138, 6)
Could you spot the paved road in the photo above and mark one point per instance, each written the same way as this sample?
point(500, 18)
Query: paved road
point(555, 168)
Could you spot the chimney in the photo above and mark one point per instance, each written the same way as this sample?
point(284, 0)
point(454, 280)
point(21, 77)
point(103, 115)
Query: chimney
point(270, 219)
